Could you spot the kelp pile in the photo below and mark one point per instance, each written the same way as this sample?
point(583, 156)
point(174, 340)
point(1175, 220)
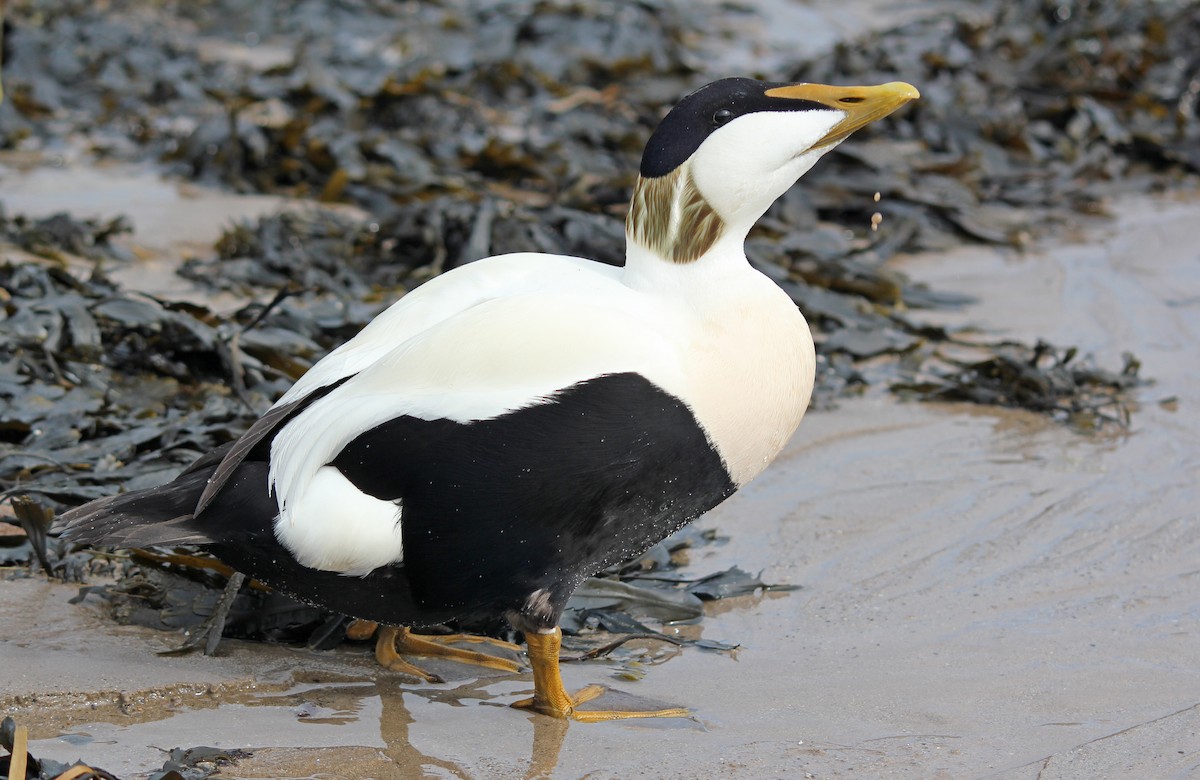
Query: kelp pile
point(1043, 378)
point(1028, 109)
point(103, 388)
point(61, 236)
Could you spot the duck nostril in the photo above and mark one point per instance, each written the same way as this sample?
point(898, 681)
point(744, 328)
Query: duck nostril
point(850, 100)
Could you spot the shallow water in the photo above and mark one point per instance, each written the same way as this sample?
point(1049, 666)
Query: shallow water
point(173, 220)
point(985, 593)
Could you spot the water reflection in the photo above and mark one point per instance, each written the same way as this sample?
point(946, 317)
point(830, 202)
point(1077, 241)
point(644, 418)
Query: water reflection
point(395, 724)
point(469, 730)
point(548, 737)
point(369, 724)
point(493, 741)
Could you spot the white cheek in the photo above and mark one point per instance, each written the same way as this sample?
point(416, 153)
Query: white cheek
point(759, 154)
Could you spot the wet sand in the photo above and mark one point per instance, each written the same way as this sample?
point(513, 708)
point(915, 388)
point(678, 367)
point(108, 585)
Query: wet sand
point(172, 221)
point(984, 593)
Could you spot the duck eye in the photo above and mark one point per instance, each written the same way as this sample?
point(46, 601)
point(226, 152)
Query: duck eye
point(722, 116)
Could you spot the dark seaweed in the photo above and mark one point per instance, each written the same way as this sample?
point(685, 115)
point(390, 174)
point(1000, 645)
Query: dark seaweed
point(179, 597)
point(61, 235)
point(101, 388)
point(1045, 379)
point(1029, 110)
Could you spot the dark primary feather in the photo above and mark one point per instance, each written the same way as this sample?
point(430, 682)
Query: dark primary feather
point(158, 515)
point(259, 434)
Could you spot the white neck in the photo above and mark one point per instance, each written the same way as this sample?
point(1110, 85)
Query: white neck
point(749, 362)
point(647, 269)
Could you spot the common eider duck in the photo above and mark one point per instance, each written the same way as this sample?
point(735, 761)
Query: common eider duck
point(514, 426)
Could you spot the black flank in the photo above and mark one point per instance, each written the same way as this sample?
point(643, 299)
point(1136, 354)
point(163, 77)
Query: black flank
point(539, 498)
point(246, 511)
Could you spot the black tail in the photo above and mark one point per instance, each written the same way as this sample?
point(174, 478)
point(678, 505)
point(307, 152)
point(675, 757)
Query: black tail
point(159, 515)
point(232, 476)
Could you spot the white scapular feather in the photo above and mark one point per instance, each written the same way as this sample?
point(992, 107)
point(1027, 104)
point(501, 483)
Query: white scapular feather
point(442, 298)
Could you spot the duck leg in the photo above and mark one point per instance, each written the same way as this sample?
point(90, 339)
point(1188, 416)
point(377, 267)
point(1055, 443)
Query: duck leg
point(551, 698)
point(391, 641)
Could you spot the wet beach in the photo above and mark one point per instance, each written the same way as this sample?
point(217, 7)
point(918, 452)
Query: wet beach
point(982, 591)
